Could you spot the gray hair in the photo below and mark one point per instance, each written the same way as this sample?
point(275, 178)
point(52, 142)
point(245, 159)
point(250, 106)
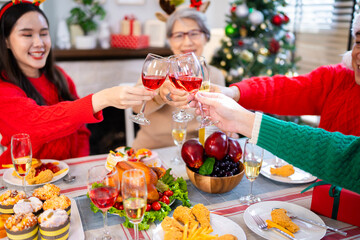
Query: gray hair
point(190, 13)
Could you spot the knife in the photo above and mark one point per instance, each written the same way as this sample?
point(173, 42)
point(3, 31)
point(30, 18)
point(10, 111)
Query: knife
point(283, 233)
point(319, 224)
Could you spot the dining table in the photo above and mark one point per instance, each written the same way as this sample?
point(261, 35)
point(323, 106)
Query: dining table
point(225, 204)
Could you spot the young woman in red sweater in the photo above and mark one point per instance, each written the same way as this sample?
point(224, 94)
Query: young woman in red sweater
point(40, 99)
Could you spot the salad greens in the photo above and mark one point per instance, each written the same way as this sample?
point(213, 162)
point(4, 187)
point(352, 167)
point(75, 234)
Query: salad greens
point(167, 182)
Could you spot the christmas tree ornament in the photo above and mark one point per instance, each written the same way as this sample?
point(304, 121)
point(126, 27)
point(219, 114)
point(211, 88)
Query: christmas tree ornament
point(233, 8)
point(269, 72)
point(261, 58)
point(223, 63)
point(290, 37)
point(264, 51)
point(277, 20)
point(242, 10)
point(256, 17)
point(229, 30)
point(255, 46)
point(229, 44)
point(234, 72)
point(253, 28)
point(240, 70)
point(277, 60)
point(243, 32)
point(274, 46)
point(247, 56)
point(240, 43)
point(229, 78)
point(285, 19)
point(263, 26)
point(229, 56)
point(226, 50)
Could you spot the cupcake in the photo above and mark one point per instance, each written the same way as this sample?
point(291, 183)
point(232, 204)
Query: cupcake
point(58, 202)
point(54, 224)
point(8, 199)
point(22, 226)
point(31, 205)
point(46, 192)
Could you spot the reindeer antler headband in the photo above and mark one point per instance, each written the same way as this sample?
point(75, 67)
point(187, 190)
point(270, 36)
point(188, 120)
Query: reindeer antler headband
point(15, 2)
point(169, 6)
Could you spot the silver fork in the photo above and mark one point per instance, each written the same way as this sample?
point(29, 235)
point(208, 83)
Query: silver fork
point(263, 226)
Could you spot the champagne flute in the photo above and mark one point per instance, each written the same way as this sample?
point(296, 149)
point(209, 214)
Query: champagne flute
point(178, 133)
point(154, 73)
point(252, 159)
point(21, 155)
point(104, 188)
point(185, 73)
point(134, 194)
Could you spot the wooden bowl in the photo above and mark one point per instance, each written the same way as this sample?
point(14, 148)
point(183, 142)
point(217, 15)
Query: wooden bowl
point(215, 184)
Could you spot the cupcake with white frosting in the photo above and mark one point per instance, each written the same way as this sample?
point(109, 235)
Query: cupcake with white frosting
point(30, 205)
point(54, 224)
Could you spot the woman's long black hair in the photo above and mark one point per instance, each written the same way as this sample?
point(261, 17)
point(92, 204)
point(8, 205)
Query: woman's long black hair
point(9, 68)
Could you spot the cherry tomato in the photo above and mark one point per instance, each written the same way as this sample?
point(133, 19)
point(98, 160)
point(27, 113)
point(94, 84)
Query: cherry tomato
point(165, 199)
point(168, 193)
point(156, 206)
point(148, 207)
point(119, 206)
point(161, 194)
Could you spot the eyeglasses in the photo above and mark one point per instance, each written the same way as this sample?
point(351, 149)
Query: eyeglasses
point(193, 35)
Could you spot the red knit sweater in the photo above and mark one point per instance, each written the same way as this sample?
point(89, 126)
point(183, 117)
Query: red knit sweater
point(328, 91)
point(57, 130)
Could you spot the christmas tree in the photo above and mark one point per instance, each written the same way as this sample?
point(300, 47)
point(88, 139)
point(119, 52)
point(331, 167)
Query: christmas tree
point(256, 42)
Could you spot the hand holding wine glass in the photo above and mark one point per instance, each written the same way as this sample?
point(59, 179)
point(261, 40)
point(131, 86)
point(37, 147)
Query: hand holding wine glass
point(21, 155)
point(134, 194)
point(103, 188)
point(154, 73)
point(252, 159)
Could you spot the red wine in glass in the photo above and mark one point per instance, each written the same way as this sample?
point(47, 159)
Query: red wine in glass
point(189, 84)
point(174, 82)
point(152, 82)
point(103, 197)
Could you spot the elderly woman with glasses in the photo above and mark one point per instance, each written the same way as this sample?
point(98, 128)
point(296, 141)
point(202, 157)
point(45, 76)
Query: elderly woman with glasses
point(187, 31)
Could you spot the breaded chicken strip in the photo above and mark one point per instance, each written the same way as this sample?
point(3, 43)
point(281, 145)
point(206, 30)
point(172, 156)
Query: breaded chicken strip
point(184, 215)
point(173, 235)
point(170, 224)
point(227, 237)
point(202, 215)
point(279, 216)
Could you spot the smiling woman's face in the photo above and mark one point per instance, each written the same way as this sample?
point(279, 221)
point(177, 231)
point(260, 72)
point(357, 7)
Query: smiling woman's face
point(30, 43)
point(186, 44)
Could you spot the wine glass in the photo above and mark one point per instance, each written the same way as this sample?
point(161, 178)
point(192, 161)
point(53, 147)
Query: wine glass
point(104, 187)
point(134, 194)
point(21, 155)
point(185, 73)
point(252, 159)
point(178, 133)
point(154, 73)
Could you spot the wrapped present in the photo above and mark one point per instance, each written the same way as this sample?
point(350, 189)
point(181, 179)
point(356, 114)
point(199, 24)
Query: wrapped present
point(335, 202)
point(130, 26)
point(130, 42)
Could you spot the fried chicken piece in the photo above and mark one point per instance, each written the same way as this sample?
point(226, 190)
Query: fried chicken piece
point(202, 215)
point(170, 224)
point(279, 216)
point(184, 215)
point(227, 237)
point(284, 171)
point(173, 235)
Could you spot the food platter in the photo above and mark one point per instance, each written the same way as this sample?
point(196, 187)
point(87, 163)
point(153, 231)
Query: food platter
point(299, 177)
point(263, 210)
point(9, 178)
point(221, 225)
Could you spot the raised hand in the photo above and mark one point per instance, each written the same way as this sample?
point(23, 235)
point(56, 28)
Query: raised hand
point(173, 96)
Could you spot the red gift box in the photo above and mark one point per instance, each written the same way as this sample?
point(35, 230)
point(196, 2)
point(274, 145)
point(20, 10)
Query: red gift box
point(337, 203)
point(128, 41)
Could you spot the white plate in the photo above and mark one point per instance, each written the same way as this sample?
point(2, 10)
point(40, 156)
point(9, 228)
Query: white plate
point(76, 231)
point(221, 225)
point(9, 178)
point(299, 177)
point(263, 209)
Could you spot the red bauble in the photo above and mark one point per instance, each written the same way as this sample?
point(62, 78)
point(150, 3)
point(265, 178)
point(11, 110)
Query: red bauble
point(285, 19)
point(274, 46)
point(277, 20)
point(240, 43)
point(233, 9)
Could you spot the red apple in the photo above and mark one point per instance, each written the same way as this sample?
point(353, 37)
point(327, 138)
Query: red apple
point(235, 151)
point(192, 153)
point(216, 145)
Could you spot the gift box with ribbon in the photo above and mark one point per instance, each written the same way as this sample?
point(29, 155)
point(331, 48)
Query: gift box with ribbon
point(130, 42)
point(130, 26)
point(335, 202)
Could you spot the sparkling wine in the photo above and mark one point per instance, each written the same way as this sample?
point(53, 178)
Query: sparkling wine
point(252, 169)
point(152, 82)
point(188, 83)
point(135, 209)
point(205, 87)
point(22, 166)
point(179, 136)
point(103, 197)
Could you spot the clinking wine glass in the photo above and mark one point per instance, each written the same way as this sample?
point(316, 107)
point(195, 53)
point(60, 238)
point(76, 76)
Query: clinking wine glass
point(178, 133)
point(21, 155)
point(103, 188)
point(154, 73)
point(252, 159)
point(134, 194)
point(185, 73)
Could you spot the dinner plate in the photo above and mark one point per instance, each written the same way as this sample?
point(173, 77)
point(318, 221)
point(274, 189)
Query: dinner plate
point(9, 178)
point(263, 210)
point(221, 225)
point(299, 177)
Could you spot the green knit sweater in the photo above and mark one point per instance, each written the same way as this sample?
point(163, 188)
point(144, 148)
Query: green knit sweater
point(331, 156)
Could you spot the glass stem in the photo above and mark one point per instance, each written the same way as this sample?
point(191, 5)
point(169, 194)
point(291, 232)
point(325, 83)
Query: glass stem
point(178, 149)
point(142, 108)
point(106, 232)
point(136, 232)
point(24, 184)
point(251, 185)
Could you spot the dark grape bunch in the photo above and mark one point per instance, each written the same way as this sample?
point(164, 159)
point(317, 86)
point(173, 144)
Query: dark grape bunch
point(225, 168)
